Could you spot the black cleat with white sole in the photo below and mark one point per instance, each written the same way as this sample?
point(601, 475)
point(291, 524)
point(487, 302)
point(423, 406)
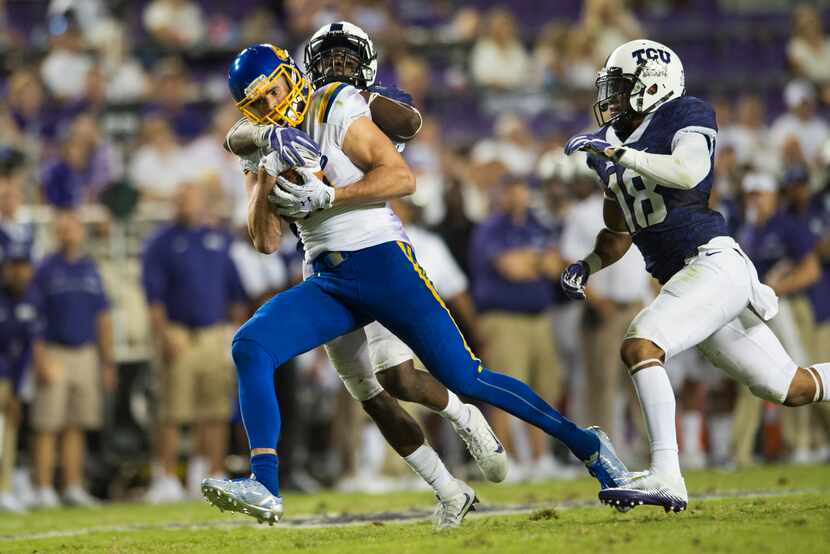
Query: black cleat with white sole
point(649, 489)
point(627, 499)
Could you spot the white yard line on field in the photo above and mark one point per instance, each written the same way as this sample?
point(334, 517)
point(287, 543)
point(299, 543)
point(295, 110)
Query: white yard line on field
point(334, 520)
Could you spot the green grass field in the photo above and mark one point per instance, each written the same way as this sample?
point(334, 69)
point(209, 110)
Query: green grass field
point(773, 509)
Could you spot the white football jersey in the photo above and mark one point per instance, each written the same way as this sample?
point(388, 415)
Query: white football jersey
point(333, 109)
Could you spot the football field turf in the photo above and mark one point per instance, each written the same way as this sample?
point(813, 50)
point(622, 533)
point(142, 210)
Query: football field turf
point(771, 509)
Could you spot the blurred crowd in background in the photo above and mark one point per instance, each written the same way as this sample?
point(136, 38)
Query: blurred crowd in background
point(126, 262)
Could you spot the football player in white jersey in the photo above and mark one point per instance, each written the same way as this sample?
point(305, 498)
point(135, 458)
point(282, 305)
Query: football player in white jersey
point(364, 270)
point(372, 359)
point(655, 153)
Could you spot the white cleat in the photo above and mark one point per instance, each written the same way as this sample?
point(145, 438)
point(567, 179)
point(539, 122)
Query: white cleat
point(649, 488)
point(483, 445)
point(77, 496)
point(245, 496)
point(11, 504)
point(450, 512)
point(46, 498)
point(165, 490)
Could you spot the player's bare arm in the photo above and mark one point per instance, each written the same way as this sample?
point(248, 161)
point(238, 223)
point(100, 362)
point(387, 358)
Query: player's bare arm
point(613, 241)
point(387, 175)
point(398, 121)
point(264, 227)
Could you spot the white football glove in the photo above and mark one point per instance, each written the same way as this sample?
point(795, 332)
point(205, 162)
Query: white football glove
point(299, 201)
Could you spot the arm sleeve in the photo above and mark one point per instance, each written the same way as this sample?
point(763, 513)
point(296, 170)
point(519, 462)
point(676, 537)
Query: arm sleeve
point(687, 165)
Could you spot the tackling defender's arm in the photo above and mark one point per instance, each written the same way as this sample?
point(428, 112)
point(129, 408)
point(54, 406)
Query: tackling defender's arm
point(612, 243)
point(263, 223)
point(398, 121)
point(386, 176)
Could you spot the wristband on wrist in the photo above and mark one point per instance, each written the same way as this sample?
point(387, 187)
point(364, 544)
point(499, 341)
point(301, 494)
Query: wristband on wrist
point(594, 263)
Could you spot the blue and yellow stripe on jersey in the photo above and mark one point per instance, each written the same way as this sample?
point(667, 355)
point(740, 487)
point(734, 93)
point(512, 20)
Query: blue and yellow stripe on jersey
point(329, 94)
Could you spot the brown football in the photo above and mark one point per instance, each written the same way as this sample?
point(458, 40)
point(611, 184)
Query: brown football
point(293, 176)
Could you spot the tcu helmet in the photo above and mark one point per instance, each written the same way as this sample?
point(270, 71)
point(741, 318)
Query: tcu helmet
point(638, 77)
point(258, 69)
point(343, 52)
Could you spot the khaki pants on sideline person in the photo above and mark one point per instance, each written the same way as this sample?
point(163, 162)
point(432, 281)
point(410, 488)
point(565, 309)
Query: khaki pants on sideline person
point(9, 414)
point(523, 347)
point(197, 386)
point(605, 371)
point(74, 398)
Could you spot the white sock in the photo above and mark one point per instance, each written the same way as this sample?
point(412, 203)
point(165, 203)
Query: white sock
point(657, 401)
point(456, 411)
point(692, 425)
point(426, 463)
point(720, 427)
point(823, 371)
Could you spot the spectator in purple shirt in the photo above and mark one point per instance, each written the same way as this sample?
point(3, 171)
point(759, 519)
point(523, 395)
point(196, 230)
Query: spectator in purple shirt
point(20, 325)
point(194, 292)
point(814, 211)
point(781, 246)
point(15, 226)
point(78, 346)
point(512, 265)
point(84, 168)
point(27, 105)
point(173, 101)
point(783, 250)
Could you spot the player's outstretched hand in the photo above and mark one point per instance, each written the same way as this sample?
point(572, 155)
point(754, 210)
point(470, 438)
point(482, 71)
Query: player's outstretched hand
point(391, 92)
point(589, 143)
point(573, 280)
point(298, 201)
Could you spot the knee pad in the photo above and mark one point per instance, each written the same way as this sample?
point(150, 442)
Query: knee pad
point(362, 388)
point(775, 385)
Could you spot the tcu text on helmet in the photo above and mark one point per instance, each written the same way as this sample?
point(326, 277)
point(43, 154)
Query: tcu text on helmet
point(644, 54)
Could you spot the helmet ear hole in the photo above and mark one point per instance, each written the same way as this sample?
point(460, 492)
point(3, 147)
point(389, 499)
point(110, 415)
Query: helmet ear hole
point(652, 89)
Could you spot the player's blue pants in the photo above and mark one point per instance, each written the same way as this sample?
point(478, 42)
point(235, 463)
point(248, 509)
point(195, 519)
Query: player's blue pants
point(350, 289)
